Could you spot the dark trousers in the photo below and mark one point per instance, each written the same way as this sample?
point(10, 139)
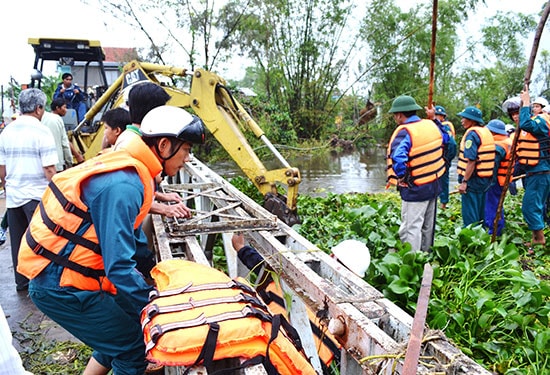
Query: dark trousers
point(491, 205)
point(19, 219)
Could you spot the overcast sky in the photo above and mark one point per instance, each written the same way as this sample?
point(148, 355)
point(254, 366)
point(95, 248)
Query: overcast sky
point(72, 19)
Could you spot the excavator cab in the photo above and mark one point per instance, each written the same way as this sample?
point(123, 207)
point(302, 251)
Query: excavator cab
point(82, 58)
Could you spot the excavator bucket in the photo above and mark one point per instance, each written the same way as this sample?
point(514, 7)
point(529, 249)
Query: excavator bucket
point(276, 204)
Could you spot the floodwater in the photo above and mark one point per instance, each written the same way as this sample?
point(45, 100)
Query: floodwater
point(359, 171)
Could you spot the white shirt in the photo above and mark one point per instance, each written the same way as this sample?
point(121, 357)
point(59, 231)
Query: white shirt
point(55, 123)
point(10, 361)
point(26, 147)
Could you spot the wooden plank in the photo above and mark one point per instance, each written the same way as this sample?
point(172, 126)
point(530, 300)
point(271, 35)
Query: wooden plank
point(419, 321)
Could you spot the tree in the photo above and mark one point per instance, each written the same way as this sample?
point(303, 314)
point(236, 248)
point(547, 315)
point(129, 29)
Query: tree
point(301, 49)
point(400, 43)
point(172, 27)
point(496, 71)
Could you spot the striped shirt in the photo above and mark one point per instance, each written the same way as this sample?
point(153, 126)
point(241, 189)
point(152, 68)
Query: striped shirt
point(26, 147)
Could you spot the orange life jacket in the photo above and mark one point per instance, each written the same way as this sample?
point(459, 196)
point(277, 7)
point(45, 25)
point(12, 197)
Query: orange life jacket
point(506, 143)
point(61, 213)
point(426, 163)
point(485, 162)
point(326, 344)
point(199, 315)
point(451, 127)
point(530, 149)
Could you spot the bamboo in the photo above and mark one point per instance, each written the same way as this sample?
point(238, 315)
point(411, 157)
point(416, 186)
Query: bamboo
point(526, 81)
point(432, 55)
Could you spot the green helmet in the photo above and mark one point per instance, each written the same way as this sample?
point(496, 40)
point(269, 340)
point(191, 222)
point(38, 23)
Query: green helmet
point(404, 103)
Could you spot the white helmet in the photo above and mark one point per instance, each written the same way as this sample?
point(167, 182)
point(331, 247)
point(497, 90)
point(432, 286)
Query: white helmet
point(510, 128)
point(540, 100)
point(354, 255)
point(174, 122)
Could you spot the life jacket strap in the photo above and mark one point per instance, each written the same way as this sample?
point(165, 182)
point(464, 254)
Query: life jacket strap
point(206, 356)
point(63, 261)
point(154, 309)
point(269, 297)
point(432, 173)
point(158, 330)
point(73, 237)
point(69, 206)
point(189, 288)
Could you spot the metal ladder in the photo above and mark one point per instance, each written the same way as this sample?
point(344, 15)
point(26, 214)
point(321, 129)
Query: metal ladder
point(375, 330)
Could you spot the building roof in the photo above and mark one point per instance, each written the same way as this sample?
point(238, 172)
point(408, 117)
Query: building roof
point(119, 54)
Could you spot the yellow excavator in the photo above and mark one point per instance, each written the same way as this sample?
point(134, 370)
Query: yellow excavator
point(208, 97)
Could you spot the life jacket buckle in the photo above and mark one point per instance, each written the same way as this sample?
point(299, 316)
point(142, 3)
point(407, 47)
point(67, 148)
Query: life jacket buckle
point(59, 230)
point(38, 249)
point(156, 333)
point(69, 207)
point(153, 294)
point(152, 310)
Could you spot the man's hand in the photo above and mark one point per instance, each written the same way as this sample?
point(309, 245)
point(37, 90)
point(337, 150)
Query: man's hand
point(430, 112)
point(237, 241)
point(463, 187)
point(178, 210)
point(525, 97)
point(168, 197)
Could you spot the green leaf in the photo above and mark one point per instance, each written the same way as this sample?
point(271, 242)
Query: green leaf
point(459, 318)
point(542, 341)
point(399, 286)
point(485, 320)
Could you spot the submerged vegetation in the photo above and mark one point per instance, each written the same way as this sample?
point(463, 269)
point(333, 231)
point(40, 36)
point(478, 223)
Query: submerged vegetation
point(491, 299)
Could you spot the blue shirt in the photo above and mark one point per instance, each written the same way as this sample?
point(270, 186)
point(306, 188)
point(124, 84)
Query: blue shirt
point(71, 99)
point(451, 149)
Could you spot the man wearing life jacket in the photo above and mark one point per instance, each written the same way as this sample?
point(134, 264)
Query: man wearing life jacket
point(533, 153)
point(82, 249)
point(476, 161)
point(450, 154)
point(511, 106)
point(415, 164)
point(327, 346)
point(503, 148)
point(143, 97)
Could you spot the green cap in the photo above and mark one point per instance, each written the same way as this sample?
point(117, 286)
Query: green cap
point(404, 103)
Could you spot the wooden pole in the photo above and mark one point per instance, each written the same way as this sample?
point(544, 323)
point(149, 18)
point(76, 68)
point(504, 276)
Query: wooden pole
point(417, 331)
point(526, 82)
point(432, 55)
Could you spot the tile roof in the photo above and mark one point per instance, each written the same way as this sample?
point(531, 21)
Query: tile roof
point(118, 54)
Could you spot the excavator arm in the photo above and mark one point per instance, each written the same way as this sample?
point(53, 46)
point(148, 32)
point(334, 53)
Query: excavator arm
point(226, 119)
